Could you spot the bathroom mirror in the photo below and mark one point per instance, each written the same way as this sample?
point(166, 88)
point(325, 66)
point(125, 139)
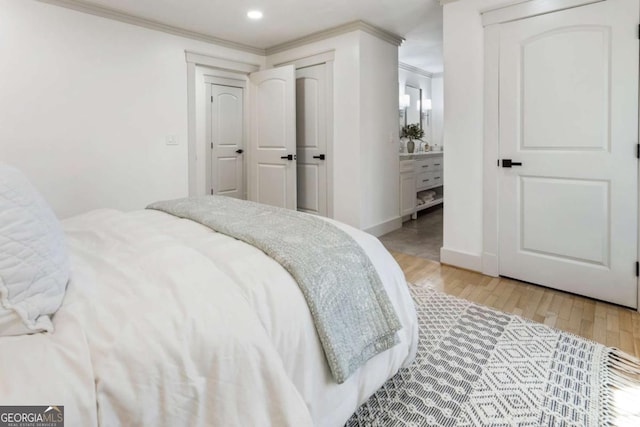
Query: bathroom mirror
point(413, 110)
point(410, 114)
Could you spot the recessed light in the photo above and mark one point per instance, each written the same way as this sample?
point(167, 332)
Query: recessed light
point(254, 14)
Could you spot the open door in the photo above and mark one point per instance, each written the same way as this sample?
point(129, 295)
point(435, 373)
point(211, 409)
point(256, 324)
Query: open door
point(272, 147)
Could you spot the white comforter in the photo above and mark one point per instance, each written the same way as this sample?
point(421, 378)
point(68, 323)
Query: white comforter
point(167, 323)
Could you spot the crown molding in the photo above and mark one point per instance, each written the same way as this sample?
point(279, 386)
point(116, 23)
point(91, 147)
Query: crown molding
point(117, 15)
point(443, 2)
point(336, 31)
point(415, 70)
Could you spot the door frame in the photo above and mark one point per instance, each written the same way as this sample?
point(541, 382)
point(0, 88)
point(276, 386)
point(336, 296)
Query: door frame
point(326, 58)
point(214, 66)
point(491, 135)
point(490, 151)
point(230, 82)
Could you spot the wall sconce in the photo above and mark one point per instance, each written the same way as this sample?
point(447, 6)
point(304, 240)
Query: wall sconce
point(425, 105)
point(405, 101)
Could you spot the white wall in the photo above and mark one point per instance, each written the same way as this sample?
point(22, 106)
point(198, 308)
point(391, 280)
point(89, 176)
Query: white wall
point(363, 123)
point(379, 133)
point(87, 103)
point(463, 131)
point(437, 113)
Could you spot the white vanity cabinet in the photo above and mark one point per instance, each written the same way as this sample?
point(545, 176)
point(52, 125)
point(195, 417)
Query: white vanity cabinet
point(420, 172)
point(407, 187)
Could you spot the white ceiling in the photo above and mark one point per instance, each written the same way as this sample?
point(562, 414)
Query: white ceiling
point(419, 21)
point(423, 45)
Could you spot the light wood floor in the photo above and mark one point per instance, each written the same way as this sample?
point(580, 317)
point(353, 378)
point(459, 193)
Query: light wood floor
point(607, 324)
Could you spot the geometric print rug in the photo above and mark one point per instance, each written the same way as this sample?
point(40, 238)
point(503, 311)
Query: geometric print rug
point(476, 366)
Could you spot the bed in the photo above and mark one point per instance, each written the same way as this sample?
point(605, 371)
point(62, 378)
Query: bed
point(167, 322)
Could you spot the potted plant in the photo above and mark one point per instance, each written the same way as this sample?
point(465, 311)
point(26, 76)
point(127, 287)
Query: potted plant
point(412, 131)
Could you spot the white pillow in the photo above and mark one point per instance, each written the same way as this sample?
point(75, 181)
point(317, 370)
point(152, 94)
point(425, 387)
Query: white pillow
point(34, 266)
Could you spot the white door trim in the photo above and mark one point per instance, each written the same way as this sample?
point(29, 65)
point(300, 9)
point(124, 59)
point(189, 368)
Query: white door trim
point(224, 68)
point(222, 81)
point(490, 176)
point(527, 9)
point(220, 63)
point(308, 61)
point(330, 150)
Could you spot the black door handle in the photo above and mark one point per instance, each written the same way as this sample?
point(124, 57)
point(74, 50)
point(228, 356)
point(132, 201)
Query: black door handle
point(240, 151)
point(287, 157)
point(321, 157)
point(507, 163)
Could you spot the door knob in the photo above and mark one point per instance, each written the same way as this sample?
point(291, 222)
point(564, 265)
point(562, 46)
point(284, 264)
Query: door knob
point(321, 157)
point(240, 151)
point(507, 163)
point(287, 157)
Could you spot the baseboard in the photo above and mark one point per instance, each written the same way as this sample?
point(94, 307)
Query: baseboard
point(461, 259)
point(385, 227)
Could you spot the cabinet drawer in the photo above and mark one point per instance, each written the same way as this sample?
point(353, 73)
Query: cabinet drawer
point(424, 180)
point(429, 164)
point(436, 163)
point(424, 165)
point(436, 177)
point(428, 179)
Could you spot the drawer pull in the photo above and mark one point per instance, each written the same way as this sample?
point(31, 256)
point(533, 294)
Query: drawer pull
point(425, 166)
point(425, 180)
point(436, 164)
point(437, 177)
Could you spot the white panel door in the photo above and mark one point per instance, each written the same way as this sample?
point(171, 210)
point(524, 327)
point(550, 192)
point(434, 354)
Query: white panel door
point(569, 113)
point(227, 141)
point(311, 119)
point(272, 155)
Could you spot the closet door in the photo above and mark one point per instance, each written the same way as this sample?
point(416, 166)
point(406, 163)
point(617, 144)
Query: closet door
point(272, 150)
point(311, 116)
point(568, 213)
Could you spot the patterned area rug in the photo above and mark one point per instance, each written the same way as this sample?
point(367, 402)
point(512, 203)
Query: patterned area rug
point(479, 367)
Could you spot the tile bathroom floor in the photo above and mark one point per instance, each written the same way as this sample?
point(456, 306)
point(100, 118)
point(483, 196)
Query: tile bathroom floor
point(421, 237)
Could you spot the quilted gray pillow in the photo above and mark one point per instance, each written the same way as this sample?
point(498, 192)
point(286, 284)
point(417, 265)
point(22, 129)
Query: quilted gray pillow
point(34, 265)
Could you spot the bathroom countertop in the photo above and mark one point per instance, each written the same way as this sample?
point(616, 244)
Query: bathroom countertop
point(409, 156)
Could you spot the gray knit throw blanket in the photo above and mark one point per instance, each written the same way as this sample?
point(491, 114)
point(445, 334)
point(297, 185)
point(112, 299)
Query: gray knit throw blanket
point(480, 367)
point(351, 310)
